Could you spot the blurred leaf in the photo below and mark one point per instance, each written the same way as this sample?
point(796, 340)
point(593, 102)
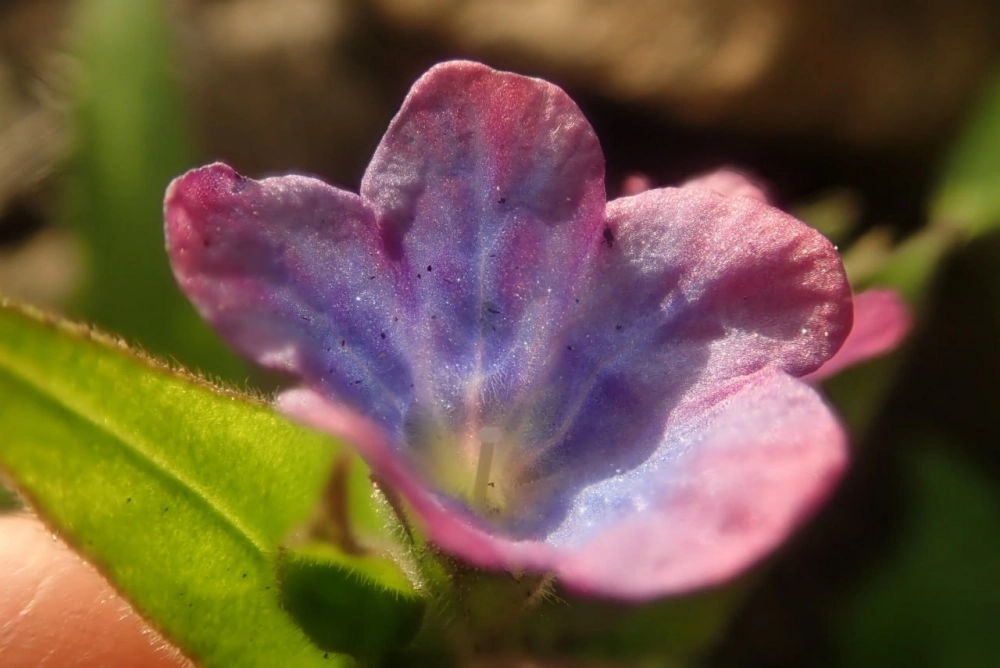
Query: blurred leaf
point(835, 213)
point(911, 267)
point(537, 620)
point(321, 585)
point(937, 603)
point(968, 197)
point(131, 140)
point(867, 254)
point(673, 631)
point(8, 499)
point(859, 392)
point(183, 493)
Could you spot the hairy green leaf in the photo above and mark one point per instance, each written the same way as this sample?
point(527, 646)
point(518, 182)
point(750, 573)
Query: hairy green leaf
point(184, 493)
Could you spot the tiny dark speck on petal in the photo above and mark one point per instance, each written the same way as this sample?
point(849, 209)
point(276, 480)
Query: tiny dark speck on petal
point(395, 319)
point(430, 268)
point(357, 382)
point(128, 500)
point(240, 183)
point(343, 343)
point(434, 317)
point(420, 275)
point(609, 237)
point(371, 278)
point(569, 347)
point(502, 200)
point(206, 242)
point(382, 335)
point(618, 327)
point(244, 575)
point(166, 508)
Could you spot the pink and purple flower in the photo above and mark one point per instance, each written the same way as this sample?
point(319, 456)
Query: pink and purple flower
point(610, 392)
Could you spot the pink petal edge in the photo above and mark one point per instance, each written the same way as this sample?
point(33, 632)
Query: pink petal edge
point(881, 322)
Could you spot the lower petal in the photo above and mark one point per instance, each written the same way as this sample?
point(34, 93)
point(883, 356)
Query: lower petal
point(726, 488)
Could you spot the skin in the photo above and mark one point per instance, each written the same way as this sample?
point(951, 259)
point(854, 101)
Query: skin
point(58, 610)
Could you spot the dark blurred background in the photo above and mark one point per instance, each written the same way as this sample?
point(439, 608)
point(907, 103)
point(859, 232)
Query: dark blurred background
point(850, 111)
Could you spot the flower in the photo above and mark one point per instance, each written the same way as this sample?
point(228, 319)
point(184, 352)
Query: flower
point(605, 391)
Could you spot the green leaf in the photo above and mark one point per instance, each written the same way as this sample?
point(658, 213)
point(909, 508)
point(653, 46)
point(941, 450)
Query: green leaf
point(912, 265)
point(936, 603)
point(321, 584)
point(968, 197)
point(130, 141)
point(184, 493)
point(675, 631)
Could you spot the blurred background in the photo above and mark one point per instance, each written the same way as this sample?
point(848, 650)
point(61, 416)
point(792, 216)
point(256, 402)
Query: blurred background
point(877, 121)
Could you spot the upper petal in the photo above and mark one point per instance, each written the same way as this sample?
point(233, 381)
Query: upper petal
point(292, 272)
point(745, 281)
point(492, 185)
point(696, 290)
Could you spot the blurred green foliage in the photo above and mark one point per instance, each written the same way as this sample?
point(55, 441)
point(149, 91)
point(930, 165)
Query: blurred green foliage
point(968, 197)
point(936, 601)
point(131, 140)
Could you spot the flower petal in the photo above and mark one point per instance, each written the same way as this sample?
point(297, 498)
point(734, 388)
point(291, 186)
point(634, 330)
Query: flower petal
point(728, 182)
point(493, 184)
point(752, 283)
point(724, 488)
point(696, 290)
point(292, 272)
point(881, 321)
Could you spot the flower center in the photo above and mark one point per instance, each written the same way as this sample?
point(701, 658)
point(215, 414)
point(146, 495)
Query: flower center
point(479, 466)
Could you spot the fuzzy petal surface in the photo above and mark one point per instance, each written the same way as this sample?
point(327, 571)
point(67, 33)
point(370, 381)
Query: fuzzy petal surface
point(293, 273)
point(492, 184)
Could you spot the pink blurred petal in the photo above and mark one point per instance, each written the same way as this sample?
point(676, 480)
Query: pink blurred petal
point(881, 322)
point(729, 182)
point(635, 184)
